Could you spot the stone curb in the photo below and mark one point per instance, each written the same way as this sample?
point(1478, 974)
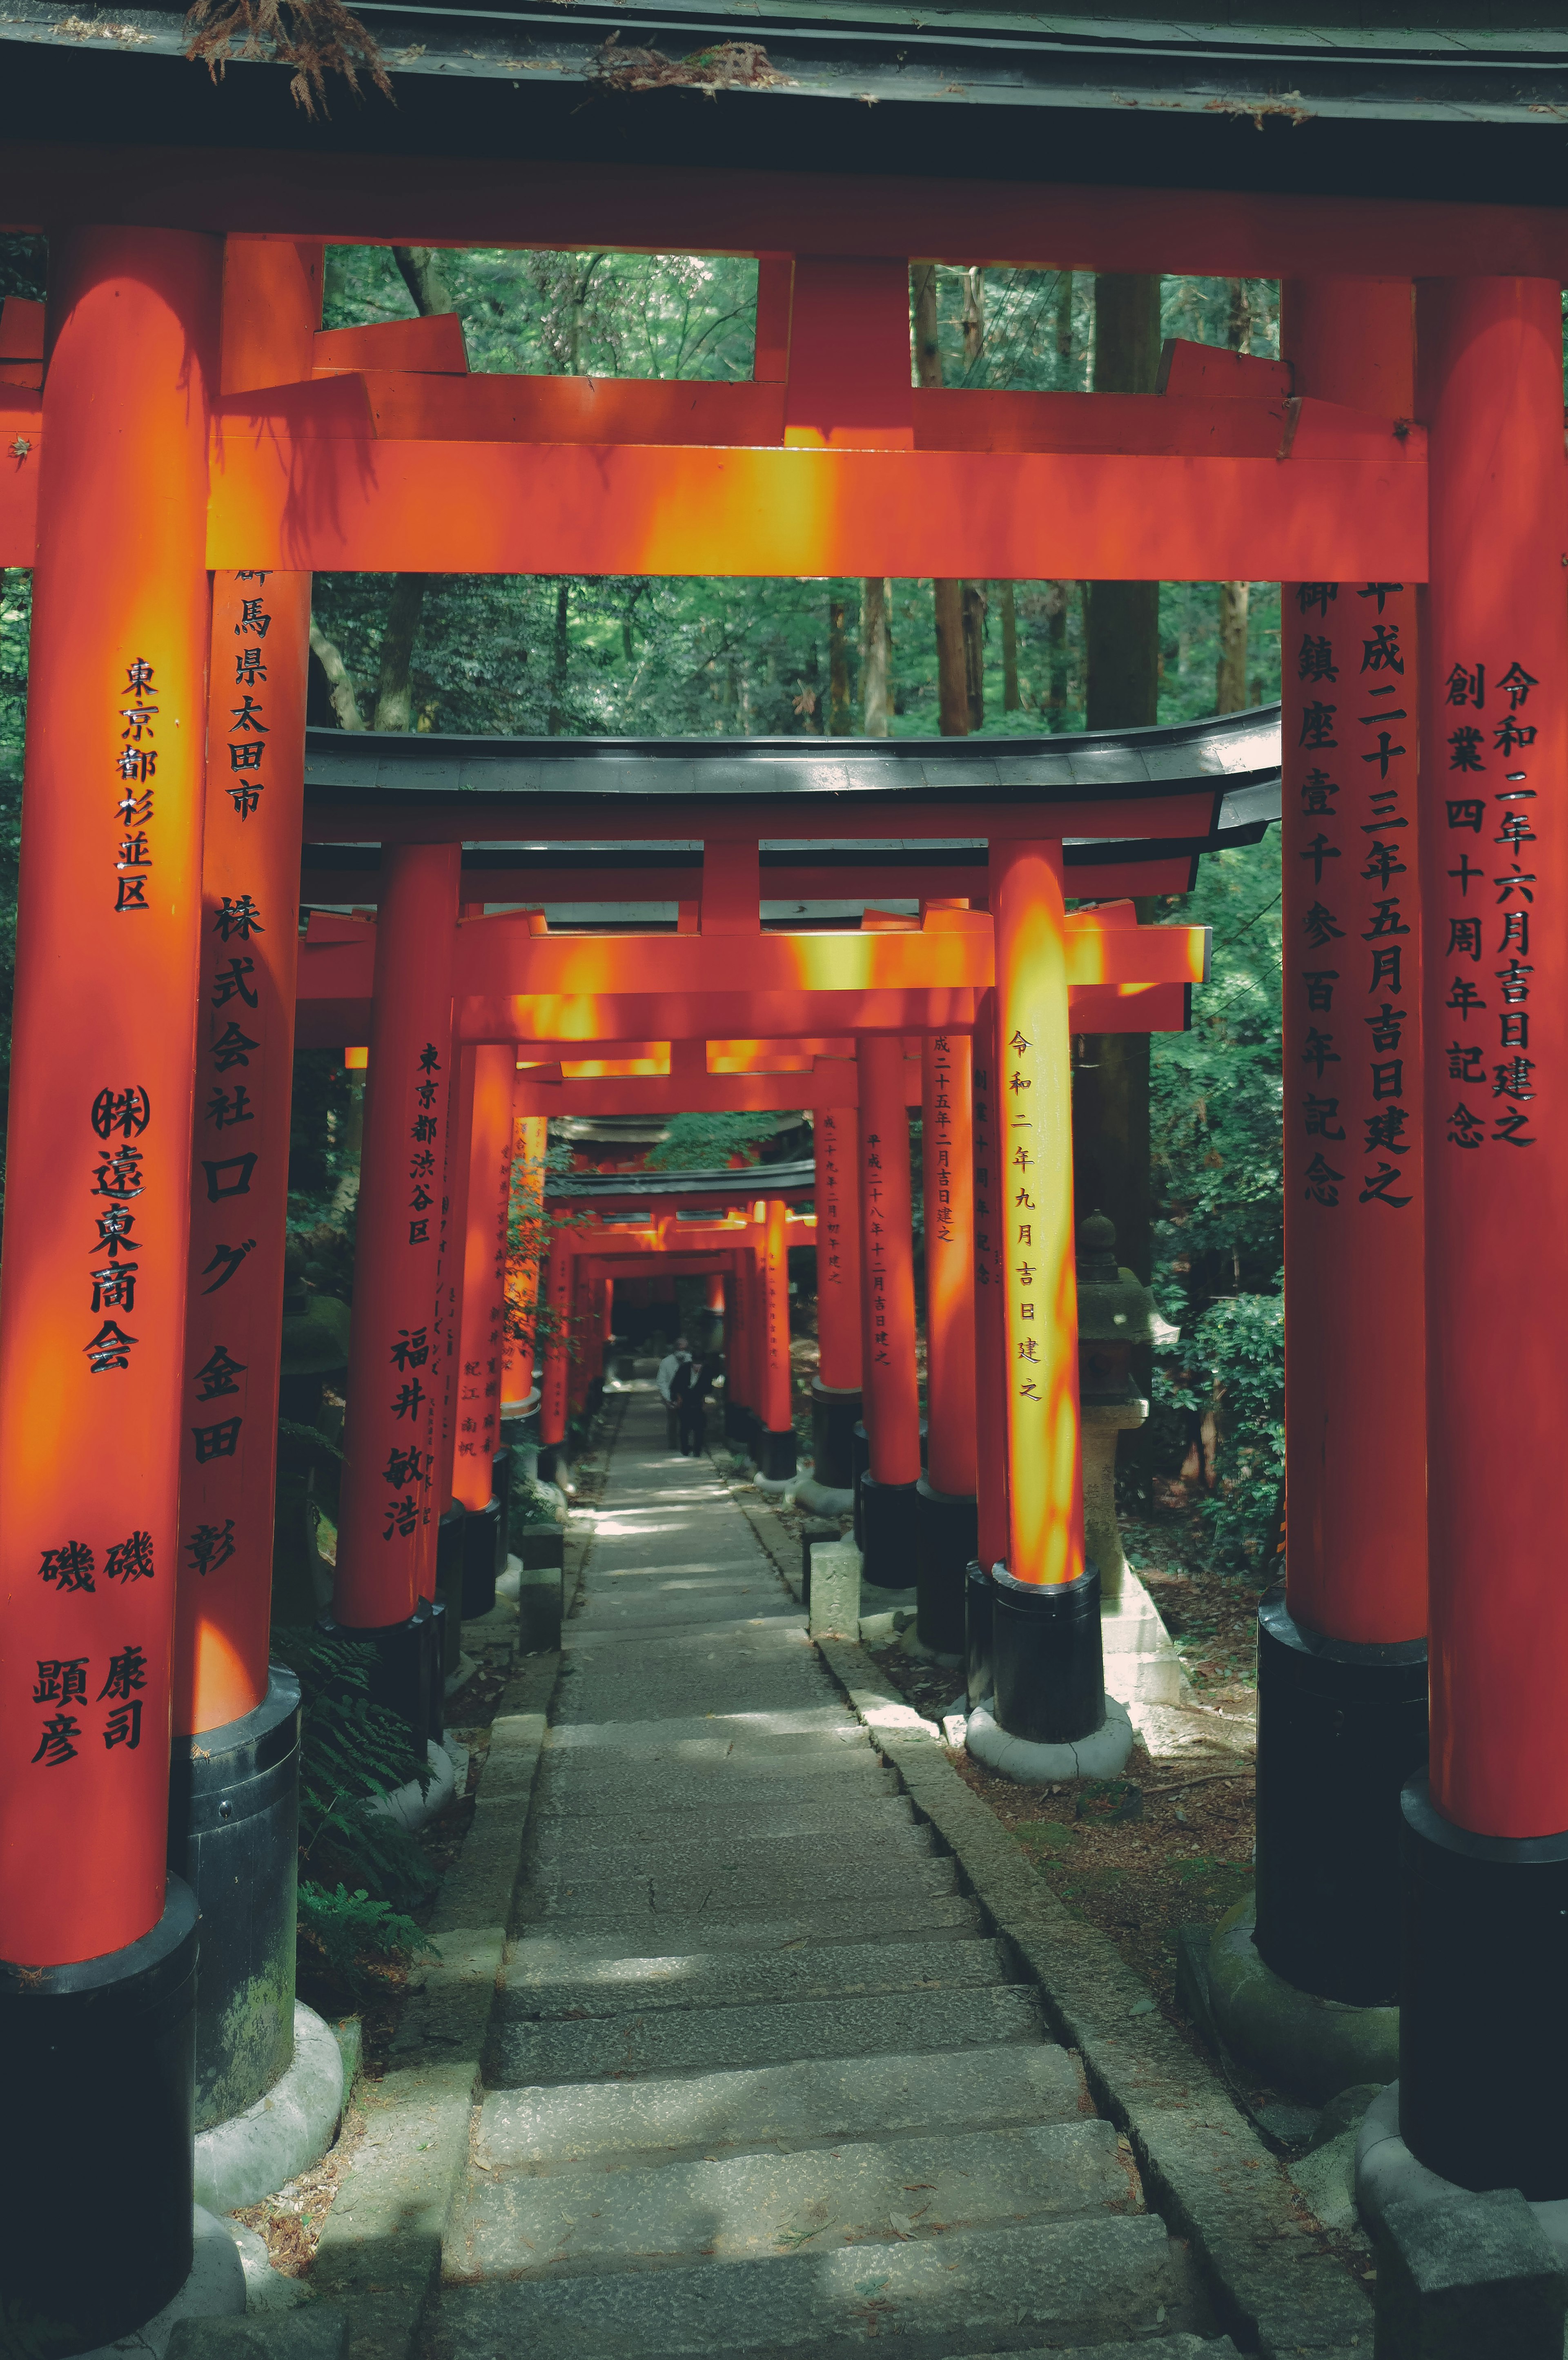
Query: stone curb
point(1277, 2287)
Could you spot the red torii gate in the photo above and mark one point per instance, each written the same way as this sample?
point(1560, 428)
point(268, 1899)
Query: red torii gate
point(241, 459)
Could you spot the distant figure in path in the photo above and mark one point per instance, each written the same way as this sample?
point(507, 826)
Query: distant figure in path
point(679, 1357)
point(690, 1389)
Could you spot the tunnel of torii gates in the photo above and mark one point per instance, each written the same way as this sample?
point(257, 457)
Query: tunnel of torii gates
point(182, 447)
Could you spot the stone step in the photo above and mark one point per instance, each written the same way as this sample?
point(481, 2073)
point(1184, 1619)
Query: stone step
point(809, 2103)
point(738, 1638)
point(849, 1776)
point(617, 1932)
point(1073, 2281)
point(862, 1818)
point(716, 1736)
point(632, 1617)
point(715, 1691)
point(696, 2041)
point(1167, 2347)
point(736, 1861)
point(557, 1979)
point(757, 1889)
point(751, 2207)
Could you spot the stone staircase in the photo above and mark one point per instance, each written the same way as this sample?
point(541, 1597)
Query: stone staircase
point(759, 2083)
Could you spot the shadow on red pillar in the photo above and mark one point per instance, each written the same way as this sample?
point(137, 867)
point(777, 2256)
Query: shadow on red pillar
point(945, 1530)
point(776, 1440)
point(97, 1987)
point(889, 1504)
point(836, 1396)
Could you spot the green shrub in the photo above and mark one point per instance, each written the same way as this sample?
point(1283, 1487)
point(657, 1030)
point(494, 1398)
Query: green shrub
point(351, 1751)
point(1233, 1364)
point(347, 1928)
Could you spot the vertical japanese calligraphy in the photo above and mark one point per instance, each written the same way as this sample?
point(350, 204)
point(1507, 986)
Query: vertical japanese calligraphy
point(838, 1249)
point(887, 1246)
point(990, 1323)
point(947, 1063)
point(483, 1314)
point(1032, 1191)
point(102, 1049)
point(239, 1167)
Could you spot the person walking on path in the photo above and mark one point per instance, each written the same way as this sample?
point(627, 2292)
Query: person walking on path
point(678, 1352)
point(689, 1390)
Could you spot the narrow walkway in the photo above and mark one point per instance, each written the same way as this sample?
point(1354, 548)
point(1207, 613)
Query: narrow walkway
point(761, 2085)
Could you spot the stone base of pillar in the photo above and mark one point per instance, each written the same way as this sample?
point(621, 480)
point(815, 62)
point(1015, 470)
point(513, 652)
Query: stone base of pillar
point(859, 1466)
point(944, 1544)
point(1104, 1753)
point(483, 1557)
point(978, 1633)
point(1046, 1657)
point(821, 1500)
point(835, 1413)
point(1388, 2174)
point(776, 1455)
point(289, 2127)
point(96, 2238)
point(1339, 1729)
point(888, 1520)
point(234, 1833)
point(406, 1673)
point(1484, 2036)
point(1308, 2047)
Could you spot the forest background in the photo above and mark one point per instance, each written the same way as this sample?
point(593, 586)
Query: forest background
point(588, 656)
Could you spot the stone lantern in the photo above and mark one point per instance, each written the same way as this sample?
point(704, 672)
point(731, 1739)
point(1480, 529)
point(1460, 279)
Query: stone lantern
point(1116, 1312)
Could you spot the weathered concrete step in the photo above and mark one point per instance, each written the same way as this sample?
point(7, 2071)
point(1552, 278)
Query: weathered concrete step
point(736, 1638)
point(642, 1933)
point(849, 1775)
point(634, 1618)
point(735, 1861)
point(721, 1692)
point(715, 1736)
point(861, 1818)
point(1167, 2347)
point(702, 1889)
point(555, 1979)
point(808, 2103)
point(751, 2207)
point(1069, 2281)
point(696, 2041)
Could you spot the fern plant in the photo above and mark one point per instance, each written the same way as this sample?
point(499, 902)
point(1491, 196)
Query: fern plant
point(352, 1750)
point(346, 1927)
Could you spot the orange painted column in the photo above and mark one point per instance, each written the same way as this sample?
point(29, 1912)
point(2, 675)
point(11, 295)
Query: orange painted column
point(776, 1405)
point(531, 1145)
point(1342, 1652)
point(556, 1373)
point(990, 1356)
point(946, 1532)
point(109, 944)
point(836, 1391)
point(737, 1346)
point(1486, 1865)
point(484, 1276)
point(584, 1286)
point(393, 1489)
point(715, 1294)
point(891, 1393)
point(244, 1051)
point(1047, 1663)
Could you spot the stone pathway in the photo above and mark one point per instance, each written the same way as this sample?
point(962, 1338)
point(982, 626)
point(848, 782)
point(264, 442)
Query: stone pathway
point(758, 2083)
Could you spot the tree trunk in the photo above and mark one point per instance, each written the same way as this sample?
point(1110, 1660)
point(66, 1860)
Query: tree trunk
point(344, 703)
point(947, 597)
point(974, 653)
point(1230, 672)
point(557, 713)
point(1111, 1144)
point(1011, 700)
point(841, 719)
point(973, 317)
point(424, 277)
point(394, 692)
point(1058, 596)
point(1123, 618)
point(876, 656)
point(1240, 336)
point(1062, 326)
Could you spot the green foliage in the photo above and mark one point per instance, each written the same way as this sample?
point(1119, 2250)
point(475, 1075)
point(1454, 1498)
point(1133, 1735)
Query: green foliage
point(1215, 1096)
point(1233, 1364)
point(351, 1751)
point(708, 1143)
point(347, 1928)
